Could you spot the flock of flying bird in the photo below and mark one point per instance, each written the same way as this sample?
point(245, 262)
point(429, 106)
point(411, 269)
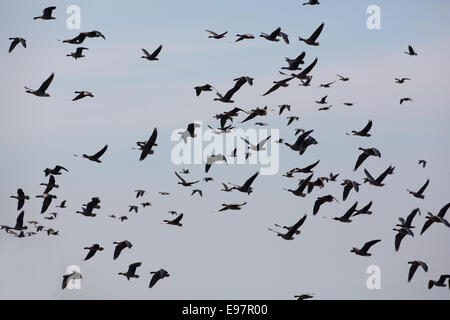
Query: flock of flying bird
point(302, 143)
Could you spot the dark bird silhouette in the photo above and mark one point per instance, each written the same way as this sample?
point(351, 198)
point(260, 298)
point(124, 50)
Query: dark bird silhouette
point(414, 265)
point(401, 80)
point(133, 208)
point(184, 182)
point(50, 184)
point(19, 224)
point(131, 272)
point(47, 201)
point(246, 187)
point(274, 36)
point(300, 142)
point(326, 85)
point(153, 56)
point(411, 51)
point(82, 94)
point(278, 84)
point(419, 194)
point(323, 100)
point(423, 163)
point(347, 214)
point(364, 210)
point(197, 191)
point(244, 36)
point(158, 275)
point(322, 200)
point(55, 171)
point(312, 40)
point(176, 221)
point(199, 89)
point(365, 154)
point(440, 282)
point(402, 100)
point(46, 14)
point(307, 169)
point(15, 42)
point(216, 35)
point(293, 64)
point(232, 206)
point(120, 246)
point(83, 35)
point(407, 224)
point(364, 250)
point(364, 132)
point(348, 186)
point(439, 218)
point(378, 181)
point(333, 177)
point(95, 157)
point(289, 235)
point(311, 3)
point(145, 204)
point(147, 147)
point(401, 233)
point(214, 158)
point(345, 79)
point(305, 296)
point(284, 107)
point(44, 86)
point(139, 193)
point(78, 53)
point(301, 187)
point(69, 277)
point(21, 197)
point(92, 250)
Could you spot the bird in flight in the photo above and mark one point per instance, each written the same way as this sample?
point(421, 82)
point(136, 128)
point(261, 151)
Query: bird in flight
point(75, 275)
point(244, 36)
point(183, 182)
point(46, 14)
point(347, 214)
point(411, 51)
point(232, 206)
point(153, 56)
point(378, 181)
point(21, 197)
point(44, 86)
point(176, 221)
point(95, 157)
point(289, 235)
point(246, 187)
point(274, 36)
point(146, 147)
point(15, 42)
point(322, 200)
point(158, 275)
point(216, 35)
point(55, 171)
point(364, 251)
point(120, 246)
point(439, 218)
point(82, 94)
point(312, 40)
point(365, 154)
point(293, 64)
point(440, 282)
point(419, 194)
point(131, 272)
point(78, 53)
point(364, 132)
point(414, 265)
point(92, 250)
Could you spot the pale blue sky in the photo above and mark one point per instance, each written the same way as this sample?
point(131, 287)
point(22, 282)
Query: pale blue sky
point(231, 255)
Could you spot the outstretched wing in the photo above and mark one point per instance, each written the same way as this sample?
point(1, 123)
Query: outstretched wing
point(316, 33)
point(101, 152)
point(156, 52)
point(369, 244)
point(295, 227)
point(412, 270)
point(421, 190)
point(46, 83)
point(363, 156)
point(249, 182)
point(443, 210)
point(13, 44)
point(179, 177)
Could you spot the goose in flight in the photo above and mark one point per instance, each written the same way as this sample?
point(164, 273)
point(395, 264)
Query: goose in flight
point(147, 147)
point(50, 185)
point(226, 188)
point(292, 119)
point(323, 100)
point(246, 187)
point(133, 208)
point(82, 94)
point(207, 179)
point(199, 89)
point(214, 158)
point(289, 235)
point(139, 193)
point(21, 197)
point(305, 296)
point(78, 53)
point(95, 157)
point(216, 35)
point(293, 64)
point(312, 40)
point(284, 107)
point(227, 97)
point(87, 209)
point(402, 100)
point(414, 265)
point(333, 177)
point(158, 275)
point(47, 201)
point(259, 146)
point(244, 36)
point(322, 200)
point(44, 86)
point(312, 3)
point(364, 132)
point(378, 181)
point(145, 204)
point(423, 163)
point(153, 56)
point(307, 169)
point(19, 224)
point(304, 74)
point(401, 80)
point(440, 282)
point(401, 233)
point(299, 143)
point(347, 214)
point(364, 210)
point(411, 51)
point(365, 154)
point(299, 192)
point(120, 246)
point(75, 275)
point(326, 85)
point(83, 35)
point(131, 272)
point(232, 206)
point(92, 250)
point(419, 194)
point(184, 182)
point(279, 84)
point(189, 132)
point(407, 224)
point(274, 36)
point(348, 186)
point(439, 218)
point(342, 78)
point(56, 171)
point(46, 14)
point(364, 250)
point(325, 108)
point(15, 42)
point(256, 112)
point(176, 221)
point(197, 191)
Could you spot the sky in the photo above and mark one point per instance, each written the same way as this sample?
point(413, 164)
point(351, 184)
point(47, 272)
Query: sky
point(228, 255)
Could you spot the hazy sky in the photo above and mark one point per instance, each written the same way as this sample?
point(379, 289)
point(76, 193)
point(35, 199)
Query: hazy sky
point(230, 255)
